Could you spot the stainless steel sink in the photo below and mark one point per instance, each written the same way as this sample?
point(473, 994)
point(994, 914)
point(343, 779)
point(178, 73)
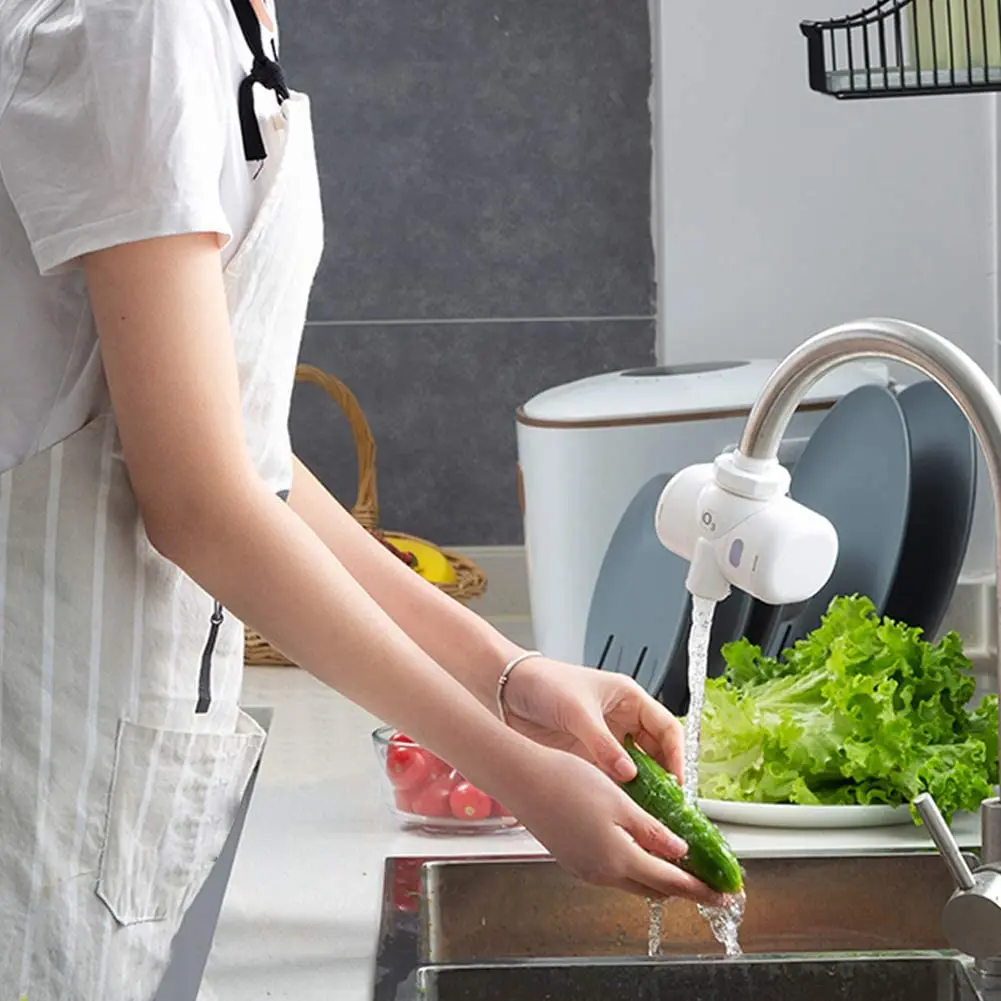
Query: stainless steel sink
point(522, 928)
point(870, 979)
point(476, 910)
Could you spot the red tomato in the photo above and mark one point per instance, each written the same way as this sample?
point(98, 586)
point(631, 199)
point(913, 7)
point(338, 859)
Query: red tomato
point(439, 768)
point(432, 800)
point(400, 738)
point(404, 800)
point(407, 766)
point(469, 803)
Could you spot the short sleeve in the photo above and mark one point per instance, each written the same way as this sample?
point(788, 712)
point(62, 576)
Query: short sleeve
point(117, 128)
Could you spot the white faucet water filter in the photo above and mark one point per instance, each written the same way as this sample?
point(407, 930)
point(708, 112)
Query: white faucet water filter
point(734, 522)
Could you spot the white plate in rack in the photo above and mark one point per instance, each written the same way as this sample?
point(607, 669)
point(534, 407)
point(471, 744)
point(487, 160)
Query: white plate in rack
point(792, 815)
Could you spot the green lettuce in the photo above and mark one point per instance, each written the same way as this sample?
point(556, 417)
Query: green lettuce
point(861, 711)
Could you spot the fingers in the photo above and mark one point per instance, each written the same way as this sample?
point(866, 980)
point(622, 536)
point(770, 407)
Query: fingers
point(633, 868)
point(665, 733)
point(622, 701)
point(653, 836)
point(652, 845)
point(658, 878)
point(605, 751)
point(601, 836)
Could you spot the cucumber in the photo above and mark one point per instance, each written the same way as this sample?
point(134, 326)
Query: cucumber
point(657, 791)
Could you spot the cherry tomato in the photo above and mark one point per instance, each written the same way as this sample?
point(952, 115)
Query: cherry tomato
point(407, 766)
point(401, 738)
point(404, 800)
point(439, 768)
point(469, 803)
point(432, 800)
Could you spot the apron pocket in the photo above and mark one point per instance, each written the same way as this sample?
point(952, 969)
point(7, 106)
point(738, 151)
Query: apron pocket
point(174, 797)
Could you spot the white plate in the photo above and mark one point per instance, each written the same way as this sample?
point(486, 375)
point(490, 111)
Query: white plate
point(814, 817)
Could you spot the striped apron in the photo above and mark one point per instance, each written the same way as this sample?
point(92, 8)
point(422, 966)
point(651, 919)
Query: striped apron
point(123, 751)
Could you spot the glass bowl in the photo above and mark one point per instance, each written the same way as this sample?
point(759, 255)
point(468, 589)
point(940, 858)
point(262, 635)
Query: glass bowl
point(425, 793)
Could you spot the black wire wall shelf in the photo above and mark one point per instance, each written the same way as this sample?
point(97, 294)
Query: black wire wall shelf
point(907, 48)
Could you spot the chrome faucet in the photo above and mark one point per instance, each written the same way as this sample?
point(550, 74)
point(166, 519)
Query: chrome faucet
point(705, 508)
point(972, 917)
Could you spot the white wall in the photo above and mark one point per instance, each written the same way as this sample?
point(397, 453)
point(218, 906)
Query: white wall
point(781, 211)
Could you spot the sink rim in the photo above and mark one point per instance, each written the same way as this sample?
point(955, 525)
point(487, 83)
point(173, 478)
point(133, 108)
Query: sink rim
point(947, 956)
point(962, 966)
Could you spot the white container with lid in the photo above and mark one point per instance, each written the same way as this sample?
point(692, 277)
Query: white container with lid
point(586, 448)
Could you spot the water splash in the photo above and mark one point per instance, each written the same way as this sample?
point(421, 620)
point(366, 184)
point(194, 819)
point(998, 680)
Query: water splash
point(655, 929)
point(724, 922)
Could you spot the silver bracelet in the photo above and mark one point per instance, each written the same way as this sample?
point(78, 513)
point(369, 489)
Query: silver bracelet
point(506, 674)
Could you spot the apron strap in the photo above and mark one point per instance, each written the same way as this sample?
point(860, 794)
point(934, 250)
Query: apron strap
point(265, 71)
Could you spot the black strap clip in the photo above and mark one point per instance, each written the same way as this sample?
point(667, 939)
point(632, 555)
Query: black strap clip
point(266, 71)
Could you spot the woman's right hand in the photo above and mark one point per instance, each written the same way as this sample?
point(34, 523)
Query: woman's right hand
point(597, 833)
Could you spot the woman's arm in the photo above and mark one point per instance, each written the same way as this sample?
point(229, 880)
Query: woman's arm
point(466, 645)
point(562, 705)
point(162, 317)
point(167, 349)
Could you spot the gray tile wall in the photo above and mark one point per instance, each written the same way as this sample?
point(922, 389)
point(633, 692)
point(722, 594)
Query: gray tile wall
point(486, 179)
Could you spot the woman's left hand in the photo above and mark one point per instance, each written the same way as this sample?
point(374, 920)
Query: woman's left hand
point(589, 712)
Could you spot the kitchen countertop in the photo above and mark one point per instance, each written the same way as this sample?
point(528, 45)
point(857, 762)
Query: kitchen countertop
point(302, 911)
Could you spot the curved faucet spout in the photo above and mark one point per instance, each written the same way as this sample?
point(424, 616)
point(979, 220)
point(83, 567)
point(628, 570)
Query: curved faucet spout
point(939, 359)
point(735, 522)
point(894, 340)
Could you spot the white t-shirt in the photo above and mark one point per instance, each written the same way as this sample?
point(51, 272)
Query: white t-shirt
point(119, 122)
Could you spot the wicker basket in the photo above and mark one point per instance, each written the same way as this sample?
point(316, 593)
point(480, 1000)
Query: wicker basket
point(470, 580)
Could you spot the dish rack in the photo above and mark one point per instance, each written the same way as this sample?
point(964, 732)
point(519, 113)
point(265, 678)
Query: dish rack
point(470, 581)
point(907, 48)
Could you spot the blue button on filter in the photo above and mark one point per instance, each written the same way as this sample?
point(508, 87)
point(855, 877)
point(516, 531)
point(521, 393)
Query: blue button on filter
point(736, 551)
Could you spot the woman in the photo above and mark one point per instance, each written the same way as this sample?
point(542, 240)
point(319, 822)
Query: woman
point(159, 231)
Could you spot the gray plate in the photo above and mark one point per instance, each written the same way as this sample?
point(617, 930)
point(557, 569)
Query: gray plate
point(943, 492)
point(639, 601)
point(856, 471)
point(640, 610)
